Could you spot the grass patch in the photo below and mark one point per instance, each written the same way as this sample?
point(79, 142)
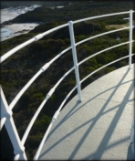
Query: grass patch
point(115, 26)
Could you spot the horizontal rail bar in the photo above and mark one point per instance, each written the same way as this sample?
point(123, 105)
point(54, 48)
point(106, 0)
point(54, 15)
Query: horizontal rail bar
point(104, 67)
point(63, 77)
point(38, 37)
point(42, 104)
point(33, 120)
point(54, 29)
point(105, 33)
point(50, 125)
point(2, 122)
point(11, 52)
point(17, 97)
point(42, 69)
point(105, 15)
point(112, 47)
point(43, 141)
point(62, 104)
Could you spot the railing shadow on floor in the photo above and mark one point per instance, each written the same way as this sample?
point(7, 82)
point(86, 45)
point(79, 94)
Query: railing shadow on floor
point(107, 136)
point(76, 108)
point(112, 126)
point(130, 155)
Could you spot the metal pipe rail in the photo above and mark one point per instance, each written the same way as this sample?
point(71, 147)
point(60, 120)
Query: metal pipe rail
point(6, 114)
point(36, 38)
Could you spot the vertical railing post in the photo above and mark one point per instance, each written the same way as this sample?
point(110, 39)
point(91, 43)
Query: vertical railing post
point(130, 37)
point(19, 149)
point(72, 40)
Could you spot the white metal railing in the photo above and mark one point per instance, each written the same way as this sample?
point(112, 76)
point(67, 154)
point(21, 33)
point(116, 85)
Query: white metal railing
point(6, 110)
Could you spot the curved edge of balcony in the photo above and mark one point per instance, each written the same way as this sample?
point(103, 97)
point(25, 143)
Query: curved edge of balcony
point(99, 127)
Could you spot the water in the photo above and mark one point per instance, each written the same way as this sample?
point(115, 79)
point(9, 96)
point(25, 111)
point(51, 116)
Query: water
point(10, 13)
point(4, 32)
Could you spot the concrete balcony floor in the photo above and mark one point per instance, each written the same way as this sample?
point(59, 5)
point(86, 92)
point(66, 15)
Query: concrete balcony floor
point(98, 128)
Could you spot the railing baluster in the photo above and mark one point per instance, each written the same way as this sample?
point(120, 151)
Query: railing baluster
point(130, 37)
point(19, 149)
point(72, 39)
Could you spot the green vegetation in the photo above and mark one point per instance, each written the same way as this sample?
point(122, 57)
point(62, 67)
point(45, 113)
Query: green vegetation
point(19, 68)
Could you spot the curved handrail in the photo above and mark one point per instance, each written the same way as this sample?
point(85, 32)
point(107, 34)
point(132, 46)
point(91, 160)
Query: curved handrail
point(42, 104)
point(46, 66)
point(104, 67)
point(42, 69)
point(106, 15)
point(76, 65)
point(38, 37)
point(105, 33)
point(3, 120)
point(50, 125)
point(115, 46)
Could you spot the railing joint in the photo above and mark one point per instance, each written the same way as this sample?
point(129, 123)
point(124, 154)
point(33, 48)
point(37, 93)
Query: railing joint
point(46, 66)
point(50, 92)
point(38, 37)
point(7, 115)
point(20, 150)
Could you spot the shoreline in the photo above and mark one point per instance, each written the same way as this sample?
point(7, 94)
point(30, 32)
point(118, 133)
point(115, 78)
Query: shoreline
point(12, 12)
point(18, 29)
point(15, 29)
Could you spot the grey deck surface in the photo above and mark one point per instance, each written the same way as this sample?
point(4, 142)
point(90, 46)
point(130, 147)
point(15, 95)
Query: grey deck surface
point(98, 128)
